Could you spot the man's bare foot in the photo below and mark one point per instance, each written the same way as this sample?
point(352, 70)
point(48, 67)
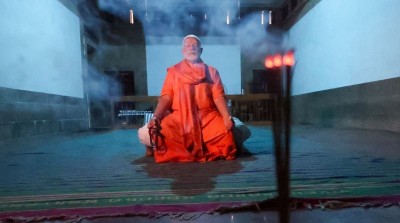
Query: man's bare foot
point(149, 151)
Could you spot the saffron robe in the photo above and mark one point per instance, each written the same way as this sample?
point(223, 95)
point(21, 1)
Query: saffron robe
point(194, 130)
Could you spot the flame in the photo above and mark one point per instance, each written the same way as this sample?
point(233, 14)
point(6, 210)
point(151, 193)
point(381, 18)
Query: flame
point(288, 59)
point(269, 62)
point(277, 60)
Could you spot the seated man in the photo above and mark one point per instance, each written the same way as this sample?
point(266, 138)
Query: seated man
point(240, 133)
point(192, 120)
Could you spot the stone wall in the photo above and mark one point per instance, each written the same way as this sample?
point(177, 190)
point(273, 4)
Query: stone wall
point(27, 113)
point(373, 105)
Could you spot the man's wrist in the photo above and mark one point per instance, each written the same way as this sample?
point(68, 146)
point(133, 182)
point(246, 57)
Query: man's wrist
point(228, 117)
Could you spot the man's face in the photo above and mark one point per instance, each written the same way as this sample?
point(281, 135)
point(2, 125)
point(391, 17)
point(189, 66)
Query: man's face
point(191, 50)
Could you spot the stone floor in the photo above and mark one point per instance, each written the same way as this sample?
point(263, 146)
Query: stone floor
point(385, 145)
point(348, 215)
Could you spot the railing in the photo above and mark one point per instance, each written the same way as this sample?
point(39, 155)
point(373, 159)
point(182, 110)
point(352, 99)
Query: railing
point(252, 108)
point(249, 108)
point(134, 114)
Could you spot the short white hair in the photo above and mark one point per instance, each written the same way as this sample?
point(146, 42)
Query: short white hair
point(191, 36)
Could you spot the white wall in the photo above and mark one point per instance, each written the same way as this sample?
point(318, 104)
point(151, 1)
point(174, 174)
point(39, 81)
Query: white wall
point(124, 58)
point(345, 42)
point(225, 57)
point(40, 47)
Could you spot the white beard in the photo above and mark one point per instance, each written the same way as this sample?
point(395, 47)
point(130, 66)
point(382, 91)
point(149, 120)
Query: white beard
point(191, 57)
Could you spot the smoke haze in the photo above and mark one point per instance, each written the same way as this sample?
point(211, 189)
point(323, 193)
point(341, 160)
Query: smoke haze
point(203, 18)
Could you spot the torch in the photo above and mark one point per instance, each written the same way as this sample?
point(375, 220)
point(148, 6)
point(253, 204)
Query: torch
point(282, 64)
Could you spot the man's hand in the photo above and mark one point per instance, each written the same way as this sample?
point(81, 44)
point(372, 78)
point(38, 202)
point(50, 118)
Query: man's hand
point(228, 121)
point(223, 110)
point(163, 105)
point(153, 123)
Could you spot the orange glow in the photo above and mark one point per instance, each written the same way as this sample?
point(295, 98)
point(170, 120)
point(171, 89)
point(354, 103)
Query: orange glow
point(278, 60)
point(269, 62)
point(288, 59)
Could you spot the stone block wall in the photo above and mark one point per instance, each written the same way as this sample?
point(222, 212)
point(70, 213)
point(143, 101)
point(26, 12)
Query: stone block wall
point(27, 113)
point(373, 105)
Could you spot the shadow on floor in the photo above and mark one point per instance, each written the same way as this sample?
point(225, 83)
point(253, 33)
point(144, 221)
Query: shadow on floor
point(190, 179)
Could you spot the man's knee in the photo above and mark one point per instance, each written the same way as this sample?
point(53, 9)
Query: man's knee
point(143, 135)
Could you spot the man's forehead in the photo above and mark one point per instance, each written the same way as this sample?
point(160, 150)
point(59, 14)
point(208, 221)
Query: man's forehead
point(191, 40)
